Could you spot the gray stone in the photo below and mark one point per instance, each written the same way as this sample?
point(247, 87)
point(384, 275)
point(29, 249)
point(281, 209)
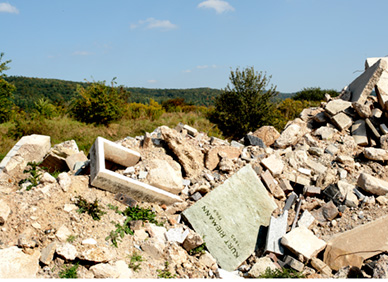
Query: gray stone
point(363, 85)
point(190, 130)
point(359, 134)
point(311, 191)
point(236, 144)
point(302, 241)
point(105, 179)
point(372, 184)
point(293, 263)
point(290, 201)
point(16, 264)
point(276, 230)
point(336, 106)
point(383, 128)
point(47, 253)
point(327, 212)
point(192, 241)
point(274, 164)
point(240, 204)
point(251, 140)
point(342, 121)
point(316, 166)
point(196, 196)
point(331, 149)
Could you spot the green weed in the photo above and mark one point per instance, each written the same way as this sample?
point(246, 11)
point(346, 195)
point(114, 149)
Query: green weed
point(71, 238)
point(135, 262)
point(132, 214)
point(165, 273)
point(283, 273)
point(69, 271)
point(198, 250)
point(35, 174)
point(92, 209)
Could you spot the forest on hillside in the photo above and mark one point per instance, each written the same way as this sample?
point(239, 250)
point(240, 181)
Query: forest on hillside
point(61, 92)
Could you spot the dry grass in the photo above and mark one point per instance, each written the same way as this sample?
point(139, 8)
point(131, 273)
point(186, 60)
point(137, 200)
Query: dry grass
point(64, 128)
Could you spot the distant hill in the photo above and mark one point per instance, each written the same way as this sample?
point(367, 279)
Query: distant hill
point(61, 92)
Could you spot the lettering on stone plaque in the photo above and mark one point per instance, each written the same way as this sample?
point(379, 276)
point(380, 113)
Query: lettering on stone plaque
point(231, 243)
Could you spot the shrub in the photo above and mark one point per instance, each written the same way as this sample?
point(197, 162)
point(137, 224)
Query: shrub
point(44, 108)
point(99, 103)
point(314, 94)
point(244, 106)
point(283, 273)
point(69, 271)
point(153, 111)
point(6, 93)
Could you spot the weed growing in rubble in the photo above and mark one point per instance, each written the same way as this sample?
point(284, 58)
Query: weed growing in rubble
point(91, 208)
point(165, 273)
point(132, 214)
point(198, 250)
point(134, 264)
point(71, 238)
point(283, 273)
point(69, 271)
point(35, 174)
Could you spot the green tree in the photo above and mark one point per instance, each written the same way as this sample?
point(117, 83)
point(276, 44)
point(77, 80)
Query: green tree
point(99, 103)
point(6, 90)
point(244, 106)
point(314, 94)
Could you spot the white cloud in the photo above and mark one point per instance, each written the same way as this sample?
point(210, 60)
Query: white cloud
point(152, 23)
point(218, 5)
point(152, 81)
point(82, 53)
point(8, 8)
point(187, 71)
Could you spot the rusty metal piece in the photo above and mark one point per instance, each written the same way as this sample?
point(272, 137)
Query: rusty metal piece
point(124, 199)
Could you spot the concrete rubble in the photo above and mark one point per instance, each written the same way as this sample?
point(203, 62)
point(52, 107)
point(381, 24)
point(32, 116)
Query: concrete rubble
point(312, 197)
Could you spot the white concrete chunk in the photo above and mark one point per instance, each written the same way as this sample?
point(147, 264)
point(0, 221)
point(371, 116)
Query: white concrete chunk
point(274, 164)
point(372, 184)
point(302, 241)
point(336, 106)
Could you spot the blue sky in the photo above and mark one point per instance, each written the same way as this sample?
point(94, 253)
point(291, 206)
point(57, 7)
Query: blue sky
point(193, 43)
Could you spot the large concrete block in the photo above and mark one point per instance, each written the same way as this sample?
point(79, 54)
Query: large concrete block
point(382, 84)
point(363, 85)
point(336, 106)
point(359, 133)
point(105, 179)
point(30, 148)
point(230, 217)
point(354, 246)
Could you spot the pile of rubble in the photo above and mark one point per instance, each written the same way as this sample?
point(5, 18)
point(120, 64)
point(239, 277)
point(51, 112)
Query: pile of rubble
point(312, 198)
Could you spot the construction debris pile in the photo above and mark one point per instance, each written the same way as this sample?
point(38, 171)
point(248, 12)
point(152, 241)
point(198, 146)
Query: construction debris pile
point(312, 198)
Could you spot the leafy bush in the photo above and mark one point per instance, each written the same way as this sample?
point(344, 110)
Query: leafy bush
point(99, 103)
point(314, 94)
point(44, 108)
point(153, 111)
point(244, 106)
point(135, 262)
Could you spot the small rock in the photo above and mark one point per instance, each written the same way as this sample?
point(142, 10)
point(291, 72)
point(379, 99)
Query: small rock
point(67, 251)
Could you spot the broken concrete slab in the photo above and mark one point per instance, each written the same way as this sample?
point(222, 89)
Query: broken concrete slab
point(321, 267)
point(291, 134)
point(358, 244)
point(342, 121)
point(297, 178)
point(261, 266)
point(285, 185)
point(105, 179)
point(372, 184)
point(376, 154)
point(274, 164)
point(328, 212)
point(373, 129)
point(363, 85)
point(336, 106)
point(229, 217)
point(272, 185)
point(166, 176)
point(363, 110)
point(190, 157)
point(316, 166)
point(73, 159)
point(276, 230)
point(325, 132)
point(306, 219)
point(359, 133)
point(31, 148)
point(302, 241)
point(381, 87)
point(293, 263)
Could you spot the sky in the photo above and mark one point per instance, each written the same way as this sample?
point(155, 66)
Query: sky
point(193, 43)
